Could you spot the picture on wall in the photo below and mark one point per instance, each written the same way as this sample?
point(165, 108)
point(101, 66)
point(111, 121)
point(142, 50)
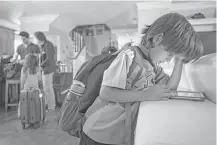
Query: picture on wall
point(99, 29)
point(89, 32)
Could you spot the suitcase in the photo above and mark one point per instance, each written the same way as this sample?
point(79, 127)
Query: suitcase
point(32, 107)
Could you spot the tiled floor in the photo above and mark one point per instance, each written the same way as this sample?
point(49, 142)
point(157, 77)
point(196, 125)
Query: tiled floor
point(11, 132)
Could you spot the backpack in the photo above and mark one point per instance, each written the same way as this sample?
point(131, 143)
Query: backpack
point(13, 70)
point(82, 93)
point(4, 60)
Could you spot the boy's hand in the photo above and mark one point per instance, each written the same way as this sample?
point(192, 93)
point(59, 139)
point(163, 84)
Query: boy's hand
point(179, 59)
point(160, 92)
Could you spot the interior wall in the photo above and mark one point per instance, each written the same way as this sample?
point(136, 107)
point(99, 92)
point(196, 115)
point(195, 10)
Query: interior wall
point(79, 61)
point(6, 41)
point(209, 42)
point(124, 38)
point(96, 43)
point(148, 16)
point(55, 39)
point(65, 51)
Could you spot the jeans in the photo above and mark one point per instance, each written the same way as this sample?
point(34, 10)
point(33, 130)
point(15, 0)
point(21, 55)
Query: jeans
point(48, 90)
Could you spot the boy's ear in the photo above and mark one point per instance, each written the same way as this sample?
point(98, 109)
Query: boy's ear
point(157, 39)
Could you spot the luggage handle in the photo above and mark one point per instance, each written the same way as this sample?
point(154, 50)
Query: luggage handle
point(40, 93)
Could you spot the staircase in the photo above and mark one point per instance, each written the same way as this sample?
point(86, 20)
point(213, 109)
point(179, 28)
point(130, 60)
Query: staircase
point(79, 49)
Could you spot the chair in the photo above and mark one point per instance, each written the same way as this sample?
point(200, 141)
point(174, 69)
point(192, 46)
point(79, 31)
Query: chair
point(63, 68)
point(11, 82)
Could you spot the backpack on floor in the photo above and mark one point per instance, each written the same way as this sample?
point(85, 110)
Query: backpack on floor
point(82, 93)
point(13, 70)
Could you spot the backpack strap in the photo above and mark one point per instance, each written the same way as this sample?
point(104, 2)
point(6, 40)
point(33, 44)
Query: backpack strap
point(128, 124)
point(133, 76)
point(80, 69)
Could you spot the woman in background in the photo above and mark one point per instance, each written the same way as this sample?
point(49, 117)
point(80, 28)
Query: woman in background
point(48, 66)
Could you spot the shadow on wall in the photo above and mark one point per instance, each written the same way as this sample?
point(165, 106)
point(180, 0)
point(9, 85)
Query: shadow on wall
point(209, 42)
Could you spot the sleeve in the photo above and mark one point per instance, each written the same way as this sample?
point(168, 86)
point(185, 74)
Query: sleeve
point(116, 74)
point(49, 50)
point(161, 77)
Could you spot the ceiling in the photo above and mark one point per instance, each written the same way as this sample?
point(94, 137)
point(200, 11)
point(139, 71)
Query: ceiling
point(116, 14)
point(71, 13)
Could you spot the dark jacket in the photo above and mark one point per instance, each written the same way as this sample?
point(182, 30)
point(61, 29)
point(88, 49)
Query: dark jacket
point(48, 63)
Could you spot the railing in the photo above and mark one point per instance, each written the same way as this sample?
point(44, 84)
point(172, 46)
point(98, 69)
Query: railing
point(76, 56)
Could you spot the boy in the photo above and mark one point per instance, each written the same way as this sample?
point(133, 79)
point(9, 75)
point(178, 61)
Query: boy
point(135, 76)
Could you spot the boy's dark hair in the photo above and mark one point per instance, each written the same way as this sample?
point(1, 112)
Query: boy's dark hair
point(31, 63)
point(40, 36)
point(179, 37)
point(24, 34)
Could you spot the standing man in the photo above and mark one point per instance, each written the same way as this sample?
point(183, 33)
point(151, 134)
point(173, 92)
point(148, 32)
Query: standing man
point(25, 48)
point(48, 66)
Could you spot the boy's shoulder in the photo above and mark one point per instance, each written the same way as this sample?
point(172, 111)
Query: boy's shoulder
point(134, 53)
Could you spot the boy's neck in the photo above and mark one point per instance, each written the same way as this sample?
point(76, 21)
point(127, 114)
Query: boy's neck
point(146, 54)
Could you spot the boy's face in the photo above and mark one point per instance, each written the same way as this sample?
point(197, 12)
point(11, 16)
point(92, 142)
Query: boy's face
point(157, 52)
point(159, 55)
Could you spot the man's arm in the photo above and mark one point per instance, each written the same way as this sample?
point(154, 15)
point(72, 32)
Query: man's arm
point(16, 54)
point(15, 57)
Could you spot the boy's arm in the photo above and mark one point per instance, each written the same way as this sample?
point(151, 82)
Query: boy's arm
point(115, 80)
point(175, 78)
point(172, 81)
point(155, 93)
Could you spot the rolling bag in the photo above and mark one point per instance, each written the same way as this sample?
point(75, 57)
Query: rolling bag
point(31, 107)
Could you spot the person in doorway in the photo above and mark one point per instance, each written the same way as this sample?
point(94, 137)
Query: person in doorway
point(24, 49)
point(48, 65)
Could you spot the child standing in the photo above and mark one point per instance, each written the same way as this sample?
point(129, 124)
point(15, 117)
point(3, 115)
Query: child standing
point(135, 76)
point(31, 73)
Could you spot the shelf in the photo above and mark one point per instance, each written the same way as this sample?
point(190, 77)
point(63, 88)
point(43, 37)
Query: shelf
point(204, 25)
point(205, 21)
point(184, 6)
